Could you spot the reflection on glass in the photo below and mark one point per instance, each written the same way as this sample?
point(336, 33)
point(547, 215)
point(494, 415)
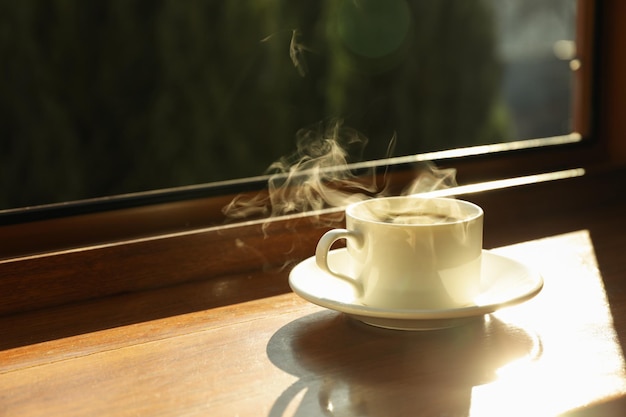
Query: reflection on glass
point(101, 98)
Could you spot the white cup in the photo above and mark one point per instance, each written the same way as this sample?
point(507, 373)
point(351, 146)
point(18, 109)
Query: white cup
point(410, 252)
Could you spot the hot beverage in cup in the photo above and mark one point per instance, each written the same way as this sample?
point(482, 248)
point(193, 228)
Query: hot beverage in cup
point(410, 252)
point(415, 217)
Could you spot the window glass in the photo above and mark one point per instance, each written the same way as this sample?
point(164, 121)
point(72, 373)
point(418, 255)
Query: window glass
point(103, 98)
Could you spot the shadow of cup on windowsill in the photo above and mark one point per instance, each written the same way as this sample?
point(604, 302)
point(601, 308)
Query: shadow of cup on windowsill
point(348, 368)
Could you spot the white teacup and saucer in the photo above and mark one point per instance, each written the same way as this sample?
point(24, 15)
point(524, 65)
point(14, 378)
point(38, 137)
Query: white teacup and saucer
point(412, 263)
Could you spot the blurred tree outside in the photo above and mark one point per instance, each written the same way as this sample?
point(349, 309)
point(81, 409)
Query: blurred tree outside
point(105, 98)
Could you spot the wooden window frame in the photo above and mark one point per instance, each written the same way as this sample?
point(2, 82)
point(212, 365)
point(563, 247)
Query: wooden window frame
point(49, 262)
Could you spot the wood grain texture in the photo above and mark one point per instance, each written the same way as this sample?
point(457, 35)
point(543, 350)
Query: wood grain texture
point(200, 321)
point(144, 264)
point(75, 275)
point(280, 356)
point(154, 247)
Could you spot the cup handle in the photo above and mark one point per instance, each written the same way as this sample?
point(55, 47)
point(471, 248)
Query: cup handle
point(323, 247)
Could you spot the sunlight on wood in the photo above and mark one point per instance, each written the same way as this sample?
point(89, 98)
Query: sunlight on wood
point(577, 360)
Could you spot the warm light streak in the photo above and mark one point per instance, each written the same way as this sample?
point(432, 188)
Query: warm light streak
point(573, 137)
point(506, 183)
point(453, 191)
point(576, 359)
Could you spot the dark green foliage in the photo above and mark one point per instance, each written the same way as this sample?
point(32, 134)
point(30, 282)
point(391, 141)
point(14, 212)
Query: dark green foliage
point(117, 96)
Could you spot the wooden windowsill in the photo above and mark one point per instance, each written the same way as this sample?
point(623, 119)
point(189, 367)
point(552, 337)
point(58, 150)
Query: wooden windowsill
point(58, 278)
point(198, 319)
point(243, 344)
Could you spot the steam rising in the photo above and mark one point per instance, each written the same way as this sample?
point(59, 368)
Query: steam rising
point(296, 51)
point(431, 178)
point(316, 176)
point(320, 174)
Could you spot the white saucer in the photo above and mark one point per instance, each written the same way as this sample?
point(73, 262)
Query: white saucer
point(505, 282)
